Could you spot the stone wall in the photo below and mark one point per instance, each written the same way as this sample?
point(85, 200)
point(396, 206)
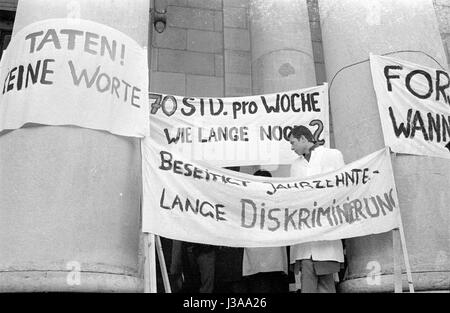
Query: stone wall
point(9, 5)
point(187, 57)
point(316, 38)
point(204, 51)
point(442, 8)
point(238, 81)
point(211, 38)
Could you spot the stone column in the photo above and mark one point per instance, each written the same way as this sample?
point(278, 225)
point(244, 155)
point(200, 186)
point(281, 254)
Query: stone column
point(69, 196)
point(351, 29)
point(282, 56)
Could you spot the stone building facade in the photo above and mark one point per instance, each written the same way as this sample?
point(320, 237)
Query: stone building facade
point(210, 41)
point(225, 48)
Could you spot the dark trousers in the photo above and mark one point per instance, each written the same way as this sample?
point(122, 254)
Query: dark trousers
point(317, 276)
point(206, 264)
point(199, 268)
point(268, 282)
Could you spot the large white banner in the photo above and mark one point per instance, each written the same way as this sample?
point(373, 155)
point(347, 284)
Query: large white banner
point(194, 202)
point(414, 106)
point(238, 131)
point(75, 72)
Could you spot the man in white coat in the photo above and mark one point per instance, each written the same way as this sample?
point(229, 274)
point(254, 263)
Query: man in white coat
point(318, 260)
point(265, 269)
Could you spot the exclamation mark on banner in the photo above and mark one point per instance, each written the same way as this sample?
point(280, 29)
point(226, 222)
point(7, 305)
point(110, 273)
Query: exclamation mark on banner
point(122, 55)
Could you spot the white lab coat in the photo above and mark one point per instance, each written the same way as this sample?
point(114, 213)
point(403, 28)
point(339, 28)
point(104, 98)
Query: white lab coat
point(322, 160)
point(261, 260)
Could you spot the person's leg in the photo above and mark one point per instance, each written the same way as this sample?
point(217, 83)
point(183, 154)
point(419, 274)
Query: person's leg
point(191, 273)
point(250, 282)
point(326, 284)
point(279, 282)
point(206, 263)
point(239, 286)
point(309, 278)
point(258, 283)
point(297, 275)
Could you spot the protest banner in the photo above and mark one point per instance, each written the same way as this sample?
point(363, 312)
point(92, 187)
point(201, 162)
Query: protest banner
point(414, 106)
point(75, 72)
point(192, 201)
point(238, 131)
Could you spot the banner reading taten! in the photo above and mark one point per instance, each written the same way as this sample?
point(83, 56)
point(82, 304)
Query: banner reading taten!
point(190, 201)
point(414, 106)
point(75, 72)
point(238, 131)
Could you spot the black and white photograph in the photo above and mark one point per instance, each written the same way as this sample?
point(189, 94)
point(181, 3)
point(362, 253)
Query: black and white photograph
point(225, 155)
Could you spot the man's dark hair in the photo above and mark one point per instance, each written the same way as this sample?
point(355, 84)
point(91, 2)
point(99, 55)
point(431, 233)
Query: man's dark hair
point(263, 173)
point(299, 131)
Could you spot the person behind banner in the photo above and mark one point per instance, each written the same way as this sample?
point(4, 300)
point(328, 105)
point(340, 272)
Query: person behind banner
point(201, 262)
point(319, 261)
point(228, 274)
point(265, 269)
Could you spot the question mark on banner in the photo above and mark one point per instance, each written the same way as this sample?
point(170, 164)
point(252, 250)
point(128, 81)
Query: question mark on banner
point(374, 276)
point(73, 12)
point(74, 276)
point(318, 131)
